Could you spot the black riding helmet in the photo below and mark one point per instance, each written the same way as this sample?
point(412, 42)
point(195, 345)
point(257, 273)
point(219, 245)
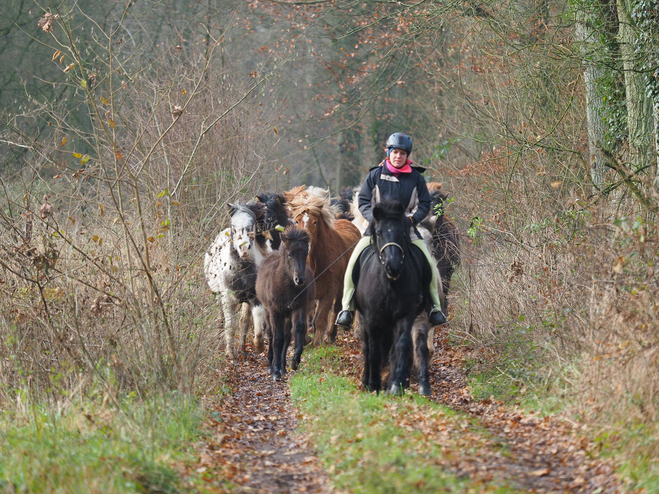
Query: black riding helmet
point(399, 140)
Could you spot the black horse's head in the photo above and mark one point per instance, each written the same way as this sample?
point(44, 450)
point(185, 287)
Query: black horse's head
point(295, 249)
point(275, 209)
point(390, 236)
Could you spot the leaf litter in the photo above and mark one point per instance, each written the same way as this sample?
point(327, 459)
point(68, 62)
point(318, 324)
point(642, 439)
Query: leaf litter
point(256, 447)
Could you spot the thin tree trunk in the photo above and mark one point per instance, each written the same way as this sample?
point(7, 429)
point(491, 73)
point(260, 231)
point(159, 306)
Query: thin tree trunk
point(593, 74)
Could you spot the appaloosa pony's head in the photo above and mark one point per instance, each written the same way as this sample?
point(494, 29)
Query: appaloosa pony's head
point(244, 221)
point(390, 236)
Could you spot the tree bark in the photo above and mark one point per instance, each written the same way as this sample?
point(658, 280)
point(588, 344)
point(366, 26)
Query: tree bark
point(640, 116)
point(593, 74)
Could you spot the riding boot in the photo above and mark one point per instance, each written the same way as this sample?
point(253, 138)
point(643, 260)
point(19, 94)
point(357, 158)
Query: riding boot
point(344, 319)
point(436, 317)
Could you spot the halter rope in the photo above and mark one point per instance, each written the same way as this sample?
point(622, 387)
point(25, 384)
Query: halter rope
point(323, 272)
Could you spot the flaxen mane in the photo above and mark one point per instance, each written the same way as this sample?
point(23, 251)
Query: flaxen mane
point(315, 205)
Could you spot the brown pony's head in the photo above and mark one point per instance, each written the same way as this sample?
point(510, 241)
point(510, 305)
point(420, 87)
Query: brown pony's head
point(312, 211)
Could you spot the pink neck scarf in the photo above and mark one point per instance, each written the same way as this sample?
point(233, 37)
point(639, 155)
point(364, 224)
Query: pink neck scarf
point(406, 168)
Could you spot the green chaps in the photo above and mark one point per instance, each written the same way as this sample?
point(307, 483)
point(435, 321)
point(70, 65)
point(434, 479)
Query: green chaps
point(347, 302)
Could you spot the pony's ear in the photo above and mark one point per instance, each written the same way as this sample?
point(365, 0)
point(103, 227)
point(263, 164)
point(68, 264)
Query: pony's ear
point(378, 213)
point(399, 208)
point(232, 208)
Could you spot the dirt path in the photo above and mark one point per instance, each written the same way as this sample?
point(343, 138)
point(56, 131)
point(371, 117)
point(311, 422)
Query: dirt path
point(256, 446)
point(545, 454)
point(257, 449)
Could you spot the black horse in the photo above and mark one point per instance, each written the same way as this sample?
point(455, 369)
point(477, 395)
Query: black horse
point(275, 216)
point(392, 290)
point(283, 287)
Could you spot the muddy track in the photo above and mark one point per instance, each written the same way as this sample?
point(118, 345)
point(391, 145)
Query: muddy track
point(257, 449)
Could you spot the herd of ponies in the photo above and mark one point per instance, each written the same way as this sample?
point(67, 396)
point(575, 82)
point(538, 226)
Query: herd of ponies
point(282, 261)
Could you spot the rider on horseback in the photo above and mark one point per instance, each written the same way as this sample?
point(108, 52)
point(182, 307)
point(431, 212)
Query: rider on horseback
point(394, 179)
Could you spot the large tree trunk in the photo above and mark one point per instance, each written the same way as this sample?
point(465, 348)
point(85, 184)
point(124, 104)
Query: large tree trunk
point(640, 116)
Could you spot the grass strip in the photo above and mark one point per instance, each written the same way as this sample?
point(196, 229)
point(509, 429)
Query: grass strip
point(92, 448)
point(379, 444)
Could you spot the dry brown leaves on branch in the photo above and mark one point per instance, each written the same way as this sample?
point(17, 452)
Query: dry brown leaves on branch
point(46, 22)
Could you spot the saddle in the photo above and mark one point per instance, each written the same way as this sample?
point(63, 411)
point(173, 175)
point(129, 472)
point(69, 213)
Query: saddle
point(370, 251)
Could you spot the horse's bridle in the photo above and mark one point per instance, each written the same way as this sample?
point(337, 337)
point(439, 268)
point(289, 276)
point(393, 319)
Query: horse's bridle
point(389, 244)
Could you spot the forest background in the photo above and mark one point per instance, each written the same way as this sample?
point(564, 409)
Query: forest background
point(126, 127)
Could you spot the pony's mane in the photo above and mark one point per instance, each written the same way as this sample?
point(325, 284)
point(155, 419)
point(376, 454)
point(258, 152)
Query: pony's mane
point(253, 208)
point(316, 202)
point(434, 186)
point(294, 234)
point(266, 197)
point(289, 195)
point(391, 211)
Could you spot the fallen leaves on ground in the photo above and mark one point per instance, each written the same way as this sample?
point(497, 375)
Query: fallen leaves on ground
point(255, 446)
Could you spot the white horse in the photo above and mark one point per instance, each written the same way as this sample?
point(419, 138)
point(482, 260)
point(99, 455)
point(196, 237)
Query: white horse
point(230, 266)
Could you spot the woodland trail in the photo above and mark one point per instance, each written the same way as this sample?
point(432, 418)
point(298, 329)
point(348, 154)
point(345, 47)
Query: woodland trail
point(258, 449)
point(255, 446)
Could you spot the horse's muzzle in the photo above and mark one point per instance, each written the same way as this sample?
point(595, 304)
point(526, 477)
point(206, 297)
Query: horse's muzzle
point(298, 280)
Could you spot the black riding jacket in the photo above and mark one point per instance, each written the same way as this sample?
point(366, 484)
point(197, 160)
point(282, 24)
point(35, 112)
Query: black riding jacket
point(407, 188)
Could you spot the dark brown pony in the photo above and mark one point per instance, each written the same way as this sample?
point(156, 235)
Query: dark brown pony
point(332, 242)
point(283, 287)
point(445, 241)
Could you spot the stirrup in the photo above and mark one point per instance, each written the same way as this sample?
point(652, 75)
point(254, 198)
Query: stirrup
point(344, 319)
point(436, 317)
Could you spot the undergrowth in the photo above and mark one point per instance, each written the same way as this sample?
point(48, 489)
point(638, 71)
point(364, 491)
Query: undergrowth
point(377, 444)
point(93, 446)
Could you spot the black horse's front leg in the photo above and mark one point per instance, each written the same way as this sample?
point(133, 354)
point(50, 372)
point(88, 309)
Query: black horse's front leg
point(374, 364)
point(366, 354)
point(287, 343)
point(271, 339)
point(278, 345)
point(299, 330)
point(399, 375)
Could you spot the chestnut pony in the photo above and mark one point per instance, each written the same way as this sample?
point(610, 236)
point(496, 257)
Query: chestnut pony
point(332, 242)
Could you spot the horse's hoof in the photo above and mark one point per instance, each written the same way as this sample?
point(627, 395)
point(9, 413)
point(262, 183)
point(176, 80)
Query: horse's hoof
point(276, 376)
point(424, 389)
point(396, 390)
point(259, 345)
point(294, 365)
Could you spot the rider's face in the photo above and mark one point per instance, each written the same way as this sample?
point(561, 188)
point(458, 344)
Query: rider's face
point(398, 157)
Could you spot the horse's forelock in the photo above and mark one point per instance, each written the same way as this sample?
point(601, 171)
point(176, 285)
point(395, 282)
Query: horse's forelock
point(295, 234)
point(242, 217)
point(390, 209)
point(314, 205)
point(257, 208)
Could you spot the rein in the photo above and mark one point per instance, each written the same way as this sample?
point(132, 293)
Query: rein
point(323, 272)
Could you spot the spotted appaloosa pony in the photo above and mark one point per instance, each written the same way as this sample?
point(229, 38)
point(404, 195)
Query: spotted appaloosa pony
point(332, 242)
point(230, 266)
point(391, 291)
point(283, 285)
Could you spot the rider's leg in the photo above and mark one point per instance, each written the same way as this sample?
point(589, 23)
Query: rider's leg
point(344, 318)
point(437, 317)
